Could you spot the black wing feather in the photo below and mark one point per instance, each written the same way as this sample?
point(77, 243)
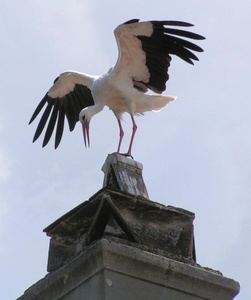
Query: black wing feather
point(131, 21)
point(84, 94)
point(60, 127)
point(51, 125)
point(173, 23)
point(161, 44)
point(184, 33)
point(39, 107)
point(57, 109)
point(70, 113)
point(183, 43)
point(43, 121)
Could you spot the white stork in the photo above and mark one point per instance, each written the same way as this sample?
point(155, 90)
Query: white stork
point(143, 62)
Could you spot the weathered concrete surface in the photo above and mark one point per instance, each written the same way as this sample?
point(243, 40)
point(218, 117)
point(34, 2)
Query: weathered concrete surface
point(108, 270)
point(156, 228)
point(124, 174)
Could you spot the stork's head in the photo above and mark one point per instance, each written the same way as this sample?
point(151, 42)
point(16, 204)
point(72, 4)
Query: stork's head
point(85, 117)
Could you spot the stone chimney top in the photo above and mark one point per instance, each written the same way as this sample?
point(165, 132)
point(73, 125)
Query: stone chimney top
point(123, 210)
point(121, 245)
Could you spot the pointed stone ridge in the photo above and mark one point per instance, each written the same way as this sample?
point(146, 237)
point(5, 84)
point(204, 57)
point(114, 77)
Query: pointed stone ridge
point(105, 211)
point(124, 174)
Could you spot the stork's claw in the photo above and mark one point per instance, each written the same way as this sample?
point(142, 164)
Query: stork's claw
point(126, 155)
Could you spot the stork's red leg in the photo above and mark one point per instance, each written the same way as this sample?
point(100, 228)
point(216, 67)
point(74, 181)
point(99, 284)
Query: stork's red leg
point(121, 134)
point(134, 129)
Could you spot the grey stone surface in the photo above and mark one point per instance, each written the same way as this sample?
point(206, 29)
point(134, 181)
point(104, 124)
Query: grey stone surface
point(157, 228)
point(124, 174)
point(108, 269)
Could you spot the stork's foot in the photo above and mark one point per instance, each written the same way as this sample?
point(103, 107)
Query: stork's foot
point(126, 155)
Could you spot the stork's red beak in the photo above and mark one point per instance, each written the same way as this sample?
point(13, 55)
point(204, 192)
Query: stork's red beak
point(85, 127)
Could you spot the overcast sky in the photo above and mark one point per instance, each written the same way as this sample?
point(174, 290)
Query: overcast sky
point(195, 153)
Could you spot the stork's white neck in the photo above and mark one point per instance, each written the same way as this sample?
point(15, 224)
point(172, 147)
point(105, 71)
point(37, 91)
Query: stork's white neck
point(89, 112)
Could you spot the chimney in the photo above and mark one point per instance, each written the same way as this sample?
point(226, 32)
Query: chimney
point(121, 245)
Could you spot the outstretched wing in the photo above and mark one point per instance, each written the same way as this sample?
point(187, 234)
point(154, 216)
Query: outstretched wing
point(145, 49)
point(70, 93)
